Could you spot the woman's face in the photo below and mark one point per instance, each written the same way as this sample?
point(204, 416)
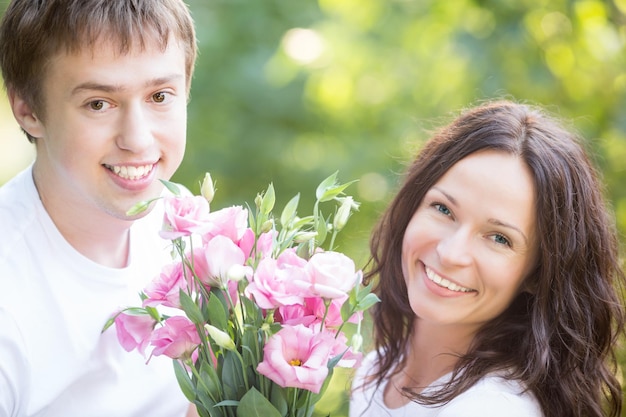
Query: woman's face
point(471, 242)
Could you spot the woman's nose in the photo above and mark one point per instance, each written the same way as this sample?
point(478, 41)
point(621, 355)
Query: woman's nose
point(455, 248)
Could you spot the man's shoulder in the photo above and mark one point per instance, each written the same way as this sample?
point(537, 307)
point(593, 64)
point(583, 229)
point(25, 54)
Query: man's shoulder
point(17, 210)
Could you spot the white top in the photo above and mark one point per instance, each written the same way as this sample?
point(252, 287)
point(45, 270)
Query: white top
point(492, 396)
point(54, 361)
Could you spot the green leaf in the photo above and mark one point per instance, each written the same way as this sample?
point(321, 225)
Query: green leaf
point(184, 381)
point(217, 312)
point(269, 199)
point(329, 182)
point(278, 398)
point(249, 342)
point(190, 308)
point(322, 229)
point(347, 310)
point(329, 189)
point(140, 207)
point(368, 301)
point(232, 376)
point(227, 403)
point(316, 397)
point(210, 381)
point(303, 221)
point(254, 404)
point(154, 313)
point(206, 406)
point(172, 186)
point(108, 324)
point(203, 409)
point(254, 315)
point(289, 212)
point(251, 219)
point(334, 192)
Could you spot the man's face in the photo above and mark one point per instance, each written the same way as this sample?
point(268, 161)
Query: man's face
point(113, 125)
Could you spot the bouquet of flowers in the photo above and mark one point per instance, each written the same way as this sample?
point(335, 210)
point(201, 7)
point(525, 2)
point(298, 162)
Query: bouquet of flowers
point(260, 307)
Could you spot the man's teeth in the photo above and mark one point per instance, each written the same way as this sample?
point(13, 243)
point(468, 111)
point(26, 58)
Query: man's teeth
point(442, 282)
point(132, 172)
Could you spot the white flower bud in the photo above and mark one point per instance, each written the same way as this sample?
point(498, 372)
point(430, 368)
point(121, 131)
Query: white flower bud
point(207, 189)
point(343, 213)
point(236, 273)
point(356, 342)
point(267, 226)
point(220, 337)
point(304, 237)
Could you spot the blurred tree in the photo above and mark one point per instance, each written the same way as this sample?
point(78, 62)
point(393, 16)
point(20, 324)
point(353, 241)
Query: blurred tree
point(290, 92)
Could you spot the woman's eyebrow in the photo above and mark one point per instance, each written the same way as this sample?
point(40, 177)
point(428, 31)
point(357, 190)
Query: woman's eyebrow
point(495, 222)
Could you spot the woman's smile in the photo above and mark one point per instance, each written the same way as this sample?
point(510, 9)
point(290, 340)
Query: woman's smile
point(445, 283)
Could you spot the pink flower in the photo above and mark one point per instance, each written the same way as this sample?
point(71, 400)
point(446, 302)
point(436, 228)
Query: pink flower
point(177, 338)
point(333, 316)
point(297, 357)
point(246, 243)
point(265, 243)
point(331, 275)
point(231, 222)
point(272, 284)
point(134, 330)
point(295, 314)
point(184, 216)
point(312, 312)
point(350, 359)
point(165, 289)
point(219, 255)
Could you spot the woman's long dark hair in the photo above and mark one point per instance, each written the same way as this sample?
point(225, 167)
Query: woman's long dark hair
point(558, 337)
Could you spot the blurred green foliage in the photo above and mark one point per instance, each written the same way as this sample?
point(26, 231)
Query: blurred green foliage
point(290, 91)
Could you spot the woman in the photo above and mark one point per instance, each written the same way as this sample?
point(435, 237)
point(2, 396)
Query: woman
point(498, 274)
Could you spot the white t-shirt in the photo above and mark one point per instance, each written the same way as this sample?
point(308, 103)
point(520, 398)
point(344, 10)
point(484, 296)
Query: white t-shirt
point(54, 361)
point(492, 396)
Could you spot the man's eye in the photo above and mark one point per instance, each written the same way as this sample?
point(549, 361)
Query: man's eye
point(97, 105)
point(159, 97)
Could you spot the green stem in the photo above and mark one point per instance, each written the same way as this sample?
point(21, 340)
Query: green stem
point(293, 394)
point(195, 372)
point(326, 308)
point(243, 370)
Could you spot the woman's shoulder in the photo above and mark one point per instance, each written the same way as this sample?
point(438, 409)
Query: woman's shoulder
point(494, 396)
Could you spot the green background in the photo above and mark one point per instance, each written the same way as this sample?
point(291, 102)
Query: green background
point(290, 91)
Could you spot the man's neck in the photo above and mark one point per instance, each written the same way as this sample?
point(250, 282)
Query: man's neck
point(95, 234)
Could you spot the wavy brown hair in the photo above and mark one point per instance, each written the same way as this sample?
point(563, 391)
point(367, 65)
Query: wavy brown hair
point(34, 31)
point(559, 337)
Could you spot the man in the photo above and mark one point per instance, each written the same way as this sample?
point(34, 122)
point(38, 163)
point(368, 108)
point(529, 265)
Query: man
point(101, 88)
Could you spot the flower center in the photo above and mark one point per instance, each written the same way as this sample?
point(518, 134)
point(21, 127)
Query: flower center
point(295, 362)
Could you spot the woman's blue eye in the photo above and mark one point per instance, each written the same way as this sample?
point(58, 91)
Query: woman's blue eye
point(501, 240)
point(442, 209)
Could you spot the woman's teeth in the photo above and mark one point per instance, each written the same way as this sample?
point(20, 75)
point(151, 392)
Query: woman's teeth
point(442, 282)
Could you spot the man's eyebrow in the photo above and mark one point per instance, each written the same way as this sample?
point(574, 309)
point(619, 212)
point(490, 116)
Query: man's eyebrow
point(112, 88)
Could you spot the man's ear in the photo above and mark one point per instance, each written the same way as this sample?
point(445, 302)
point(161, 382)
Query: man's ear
point(25, 116)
